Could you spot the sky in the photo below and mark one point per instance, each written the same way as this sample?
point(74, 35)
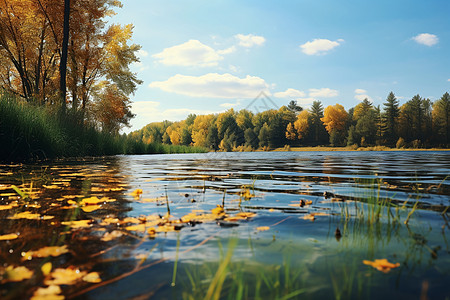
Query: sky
point(205, 56)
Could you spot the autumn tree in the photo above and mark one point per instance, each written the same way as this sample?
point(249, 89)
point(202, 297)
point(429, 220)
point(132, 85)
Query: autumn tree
point(364, 118)
point(335, 120)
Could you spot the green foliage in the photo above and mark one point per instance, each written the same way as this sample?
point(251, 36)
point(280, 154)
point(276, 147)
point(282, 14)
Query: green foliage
point(32, 132)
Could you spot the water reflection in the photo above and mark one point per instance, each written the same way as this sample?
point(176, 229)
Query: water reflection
point(302, 199)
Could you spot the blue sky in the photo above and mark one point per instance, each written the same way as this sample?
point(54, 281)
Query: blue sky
point(204, 56)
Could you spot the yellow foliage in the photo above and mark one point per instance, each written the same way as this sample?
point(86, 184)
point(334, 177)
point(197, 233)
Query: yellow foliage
point(335, 117)
point(45, 252)
point(7, 237)
point(382, 265)
point(49, 293)
point(302, 124)
point(16, 274)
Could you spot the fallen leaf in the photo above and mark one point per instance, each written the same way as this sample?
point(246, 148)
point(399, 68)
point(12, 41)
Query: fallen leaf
point(50, 293)
point(109, 236)
point(65, 276)
point(78, 224)
point(46, 268)
point(8, 237)
point(137, 192)
point(95, 200)
point(381, 264)
point(30, 216)
point(218, 210)
point(90, 208)
point(45, 252)
point(16, 274)
point(262, 228)
point(92, 277)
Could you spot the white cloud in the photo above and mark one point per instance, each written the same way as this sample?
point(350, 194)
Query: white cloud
point(191, 53)
point(426, 39)
point(320, 46)
point(305, 102)
point(360, 91)
point(361, 97)
point(250, 40)
point(230, 105)
point(213, 85)
point(290, 93)
point(448, 80)
point(323, 93)
point(228, 50)
point(150, 111)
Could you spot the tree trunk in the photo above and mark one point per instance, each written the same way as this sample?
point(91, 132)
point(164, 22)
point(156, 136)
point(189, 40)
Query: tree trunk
point(63, 63)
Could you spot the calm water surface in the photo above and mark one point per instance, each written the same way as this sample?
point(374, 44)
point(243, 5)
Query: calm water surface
point(310, 222)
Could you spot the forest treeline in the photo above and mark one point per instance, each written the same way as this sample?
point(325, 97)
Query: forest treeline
point(418, 123)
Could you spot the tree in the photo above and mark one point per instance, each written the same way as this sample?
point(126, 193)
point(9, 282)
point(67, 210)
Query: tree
point(335, 118)
point(302, 124)
point(365, 127)
point(264, 136)
point(251, 139)
point(292, 106)
point(390, 117)
point(64, 50)
point(291, 133)
point(317, 128)
point(441, 118)
point(200, 129)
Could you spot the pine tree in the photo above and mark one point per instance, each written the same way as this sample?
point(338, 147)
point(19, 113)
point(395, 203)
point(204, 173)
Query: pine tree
point(391, 114)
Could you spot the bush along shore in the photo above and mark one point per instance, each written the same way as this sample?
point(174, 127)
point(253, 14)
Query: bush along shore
point(30, 132)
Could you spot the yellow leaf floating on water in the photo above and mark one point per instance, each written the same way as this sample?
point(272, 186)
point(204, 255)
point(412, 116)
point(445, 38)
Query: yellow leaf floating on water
point(65, 276)
point(92, 277)
point(312, 216)
point(95, 200)
point(9, 206)
point(45, 252)
point(90, 208)
point(30, 216)
point(137, 192)
point(246, 214)
point(17, 274)
point(8, 237)
point(381, 264)
point(46, 268)
point(78, 224)
point(50, 293)
point(218, 210)
point(262, 228)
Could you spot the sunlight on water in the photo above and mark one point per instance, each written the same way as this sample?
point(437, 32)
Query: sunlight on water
point(252, 225)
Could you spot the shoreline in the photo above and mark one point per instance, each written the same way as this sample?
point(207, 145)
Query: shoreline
point(332, 149)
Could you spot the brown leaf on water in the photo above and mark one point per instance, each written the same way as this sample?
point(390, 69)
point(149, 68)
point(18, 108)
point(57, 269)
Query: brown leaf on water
point(382, 265)
point(16, 274)
point(246, 215)
point(49, 293)
point(8, 237)
point(67, 276)
point(262, 228)
point(45, 252)
point(109, 236)
point(312, 216)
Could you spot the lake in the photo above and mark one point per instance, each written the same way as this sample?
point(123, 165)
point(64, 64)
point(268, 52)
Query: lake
point(258, 225)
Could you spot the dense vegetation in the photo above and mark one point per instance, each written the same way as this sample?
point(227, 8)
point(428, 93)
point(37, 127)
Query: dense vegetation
point(65, 80)
point(417, 123)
